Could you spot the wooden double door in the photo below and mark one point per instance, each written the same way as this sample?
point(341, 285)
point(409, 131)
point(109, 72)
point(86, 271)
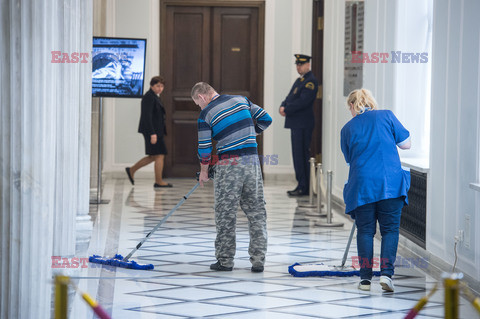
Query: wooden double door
point(218, 42)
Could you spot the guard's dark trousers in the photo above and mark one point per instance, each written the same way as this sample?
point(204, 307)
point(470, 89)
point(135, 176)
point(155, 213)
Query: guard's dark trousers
point(301, 139)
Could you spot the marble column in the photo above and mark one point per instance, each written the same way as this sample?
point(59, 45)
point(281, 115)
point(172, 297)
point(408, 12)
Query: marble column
point(44, 126)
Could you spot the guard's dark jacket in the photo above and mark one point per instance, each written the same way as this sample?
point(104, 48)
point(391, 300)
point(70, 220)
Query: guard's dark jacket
point(299, 102)
point(152, 117)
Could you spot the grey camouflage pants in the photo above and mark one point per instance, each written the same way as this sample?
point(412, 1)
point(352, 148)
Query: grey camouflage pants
point(239, 182)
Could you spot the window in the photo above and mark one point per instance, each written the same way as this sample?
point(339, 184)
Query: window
point(413, 62)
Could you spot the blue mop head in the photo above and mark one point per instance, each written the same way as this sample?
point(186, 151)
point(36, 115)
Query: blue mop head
point(117, 261)
point(321, 270)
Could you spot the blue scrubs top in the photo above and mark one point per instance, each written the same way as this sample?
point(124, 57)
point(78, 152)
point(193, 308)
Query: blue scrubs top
point(369, 143)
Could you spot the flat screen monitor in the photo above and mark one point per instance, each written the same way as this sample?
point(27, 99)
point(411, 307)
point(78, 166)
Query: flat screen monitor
point(118, 67)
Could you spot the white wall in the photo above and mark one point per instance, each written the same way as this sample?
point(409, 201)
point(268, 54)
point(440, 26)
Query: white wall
point(455, 132)
point(122, 144)
point(287, 31)
point(335, 112)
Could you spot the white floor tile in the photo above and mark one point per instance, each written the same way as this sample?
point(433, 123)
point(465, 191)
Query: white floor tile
point(266, 315)
point(330, 311)
point(258, 302)
point(188, 293)
point(250, 287)
point(195, 309)
point(380, 303)
point(316, 295)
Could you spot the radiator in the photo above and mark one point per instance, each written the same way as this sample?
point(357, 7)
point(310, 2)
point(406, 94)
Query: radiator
point(413, 222)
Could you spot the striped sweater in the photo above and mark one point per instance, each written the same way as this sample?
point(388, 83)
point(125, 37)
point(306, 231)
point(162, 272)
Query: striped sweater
point(233, 121)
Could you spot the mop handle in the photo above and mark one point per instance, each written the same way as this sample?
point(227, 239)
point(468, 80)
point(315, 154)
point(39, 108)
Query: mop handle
point(161, 222)
point(345, 254)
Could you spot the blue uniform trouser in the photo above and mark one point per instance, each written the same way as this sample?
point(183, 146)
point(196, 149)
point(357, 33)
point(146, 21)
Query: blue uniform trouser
point(301, 139)
point(388, 213)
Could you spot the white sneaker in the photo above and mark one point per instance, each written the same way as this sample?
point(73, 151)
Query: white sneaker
point(386, 283)
point(363, 285)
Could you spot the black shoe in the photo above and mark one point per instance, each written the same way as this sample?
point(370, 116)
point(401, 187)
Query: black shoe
point(292, 191)
point(257, 268)
point(127, 169)
point(218, 267)
point(299, 192)
point(162, 186)
point(365, 285)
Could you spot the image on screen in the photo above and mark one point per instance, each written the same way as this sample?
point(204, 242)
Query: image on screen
point(118, 67)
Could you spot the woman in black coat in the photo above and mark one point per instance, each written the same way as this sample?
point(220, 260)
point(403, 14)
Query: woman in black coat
point(152, 126)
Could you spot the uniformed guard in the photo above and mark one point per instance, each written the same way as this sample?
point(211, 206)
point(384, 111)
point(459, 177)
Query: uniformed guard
point(299, 118)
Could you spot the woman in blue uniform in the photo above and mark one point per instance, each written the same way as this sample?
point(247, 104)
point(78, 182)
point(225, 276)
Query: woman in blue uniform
point(377, 184)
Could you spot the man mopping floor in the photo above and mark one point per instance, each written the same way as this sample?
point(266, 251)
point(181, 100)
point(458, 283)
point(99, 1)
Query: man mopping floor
point(234, 122)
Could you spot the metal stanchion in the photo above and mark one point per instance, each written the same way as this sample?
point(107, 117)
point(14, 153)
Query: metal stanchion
point(319, 188)
point(329, 222)
point(99, 199)
point(311, 204)
point(61, 297)
point(451, 283)
point(318, 208)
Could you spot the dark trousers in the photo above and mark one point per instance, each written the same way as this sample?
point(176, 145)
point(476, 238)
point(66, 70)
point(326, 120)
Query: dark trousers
point(301, 139)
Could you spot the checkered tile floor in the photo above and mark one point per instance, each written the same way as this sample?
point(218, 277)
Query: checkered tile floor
point(183, 286)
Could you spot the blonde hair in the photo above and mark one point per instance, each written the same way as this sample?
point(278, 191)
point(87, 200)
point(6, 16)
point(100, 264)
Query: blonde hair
point(360, 99)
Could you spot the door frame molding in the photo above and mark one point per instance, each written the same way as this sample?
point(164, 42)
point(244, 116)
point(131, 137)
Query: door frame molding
point(318, 14)
point(214, 3)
